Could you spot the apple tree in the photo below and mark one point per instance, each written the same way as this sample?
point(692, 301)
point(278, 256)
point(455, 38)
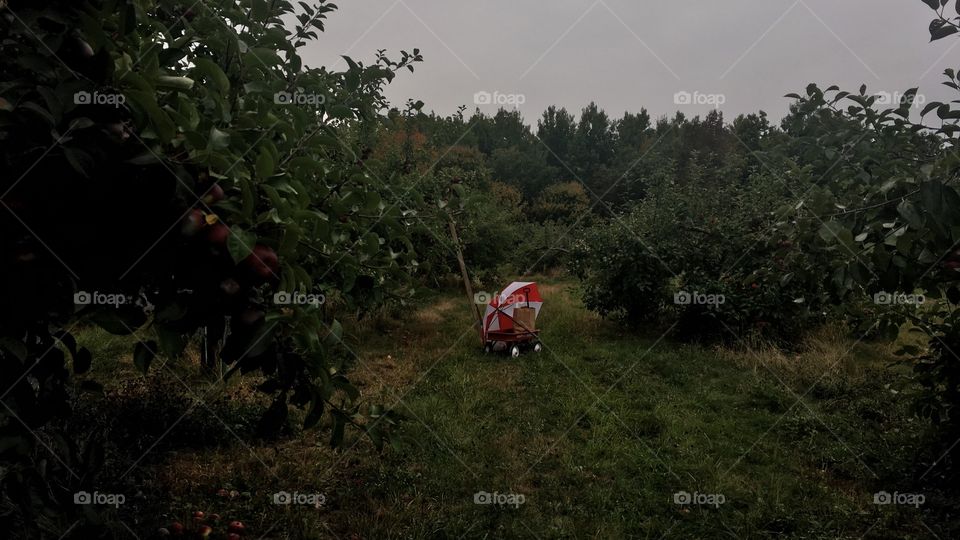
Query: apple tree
point(174, 170)
point(887, 214)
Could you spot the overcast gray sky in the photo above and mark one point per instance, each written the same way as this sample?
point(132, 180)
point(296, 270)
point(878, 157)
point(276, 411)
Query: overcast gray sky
point(627, 54)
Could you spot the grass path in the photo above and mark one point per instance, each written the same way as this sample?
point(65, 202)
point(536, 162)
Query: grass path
point(597, 434)
point(601, 430)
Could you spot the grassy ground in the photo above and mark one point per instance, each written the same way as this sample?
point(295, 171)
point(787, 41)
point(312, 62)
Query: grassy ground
point(592, 438)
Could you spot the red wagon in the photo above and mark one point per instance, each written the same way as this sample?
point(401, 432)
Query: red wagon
point(501, 330)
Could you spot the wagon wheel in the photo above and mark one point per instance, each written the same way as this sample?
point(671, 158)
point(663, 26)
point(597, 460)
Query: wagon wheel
point(537, 347)
point(515, 351)
point(488, 348)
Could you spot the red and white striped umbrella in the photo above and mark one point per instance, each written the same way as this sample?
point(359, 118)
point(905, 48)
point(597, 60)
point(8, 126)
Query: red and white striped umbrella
point(500, 309)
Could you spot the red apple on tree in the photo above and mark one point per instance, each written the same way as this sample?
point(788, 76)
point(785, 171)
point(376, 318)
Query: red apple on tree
point(83, 48)
point(251, 317)
point(218, 233)
point(236, 527)
point(193, 223)
point(229, 287)
point(263, 261)
point(214, 194)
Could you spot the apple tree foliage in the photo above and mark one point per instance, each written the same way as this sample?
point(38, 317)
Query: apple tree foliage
point(889, 213)
point(169, 167)
point(849, 210)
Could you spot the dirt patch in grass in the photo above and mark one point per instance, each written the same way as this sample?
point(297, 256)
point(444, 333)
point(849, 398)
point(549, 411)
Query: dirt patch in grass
point(436, 313)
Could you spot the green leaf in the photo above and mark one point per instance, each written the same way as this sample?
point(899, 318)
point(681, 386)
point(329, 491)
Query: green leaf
point(833, 231)
point(315, 413)
point(171, 341)
point(265, 165)
point(340, 112)
point(263, 57)
point(372, 201)
point(931, 194)
point(15, 347)
point(371, 244)
point(248, 199)
point(240, 243)
point(219, 140)
point(82, 360)
point(339, 422)
point(929, 107)
point(174, 83)
point(336, 333)
point(343, 384)
point(291, 238)
point(205, 67)
point(143, 355)
point(909, 212)
point(260, 10)
point(941, 31)
point(161, 123)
